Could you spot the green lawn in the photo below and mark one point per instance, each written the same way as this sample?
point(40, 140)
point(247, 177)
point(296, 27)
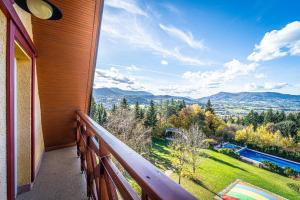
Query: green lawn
point(218, 171)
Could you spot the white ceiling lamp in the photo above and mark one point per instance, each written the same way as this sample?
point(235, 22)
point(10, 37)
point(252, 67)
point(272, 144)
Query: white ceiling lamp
point(42, 9)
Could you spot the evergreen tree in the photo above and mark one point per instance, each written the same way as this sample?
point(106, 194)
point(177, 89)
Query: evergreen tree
point(287, 128)
point(142, 113)
point(101, 114)
point(151, 119)
point(181, 105)
point(209, 107)
point(114, 108)
point(252, 118)
point(279, 116)
point(262, 117)
point(269, 116)
point(137, 110)
point(124, 103)
point(170, 108)
point(93, 109)
point(298, 121)
point(291, 117)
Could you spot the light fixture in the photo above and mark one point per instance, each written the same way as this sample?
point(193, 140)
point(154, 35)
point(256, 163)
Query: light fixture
point(42, 9)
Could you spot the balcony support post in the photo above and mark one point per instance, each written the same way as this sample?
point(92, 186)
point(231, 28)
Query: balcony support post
point(103, 187)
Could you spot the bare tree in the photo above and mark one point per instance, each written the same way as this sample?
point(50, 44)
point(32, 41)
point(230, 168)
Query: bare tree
point(124, 125)
point(194, 141)
point(185, 143)
point(179, 152)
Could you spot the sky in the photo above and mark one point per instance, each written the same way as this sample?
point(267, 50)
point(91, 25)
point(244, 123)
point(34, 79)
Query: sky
point(197, 48)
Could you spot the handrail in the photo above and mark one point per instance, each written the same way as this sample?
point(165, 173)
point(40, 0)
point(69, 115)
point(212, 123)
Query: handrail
point(103, 177)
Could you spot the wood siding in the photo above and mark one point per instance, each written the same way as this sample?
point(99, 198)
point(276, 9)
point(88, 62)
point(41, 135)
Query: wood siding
point(66, 56)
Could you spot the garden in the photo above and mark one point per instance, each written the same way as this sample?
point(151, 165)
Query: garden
point(215, 171)
point(189, 157)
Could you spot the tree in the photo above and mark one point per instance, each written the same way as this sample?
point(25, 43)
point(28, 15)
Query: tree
point(194, 141)
point(93, 109)
point(252, 118)
point(170, 108)
point(114, 108)
point(209, 107)
point(101, 115)
point(212, 122)
point(279, 116)
point(123, 124)
point(124, 103)
point(263, 137)
point(142, 113)
point(183, 104)
point(179, 153)
point(151, 118)
point(287, 128)
point(137, 110)
point(269, 116)
point(188, 116)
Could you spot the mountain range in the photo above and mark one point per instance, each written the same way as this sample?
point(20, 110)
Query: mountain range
point(224, 103)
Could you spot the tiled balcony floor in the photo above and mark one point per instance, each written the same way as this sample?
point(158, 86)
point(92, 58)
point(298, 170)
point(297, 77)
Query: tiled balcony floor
point(59, 178)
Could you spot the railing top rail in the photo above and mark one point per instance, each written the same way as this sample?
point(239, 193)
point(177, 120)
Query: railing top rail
point(155, 183)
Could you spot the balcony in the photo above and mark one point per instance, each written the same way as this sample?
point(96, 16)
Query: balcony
point(60, 64)
point(59, 176)
point(62, 171)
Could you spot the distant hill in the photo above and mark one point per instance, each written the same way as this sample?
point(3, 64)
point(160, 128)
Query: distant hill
point(250, 96)
point(241, 103)
point(119, 92)
point(224, 103)
point(110, 96)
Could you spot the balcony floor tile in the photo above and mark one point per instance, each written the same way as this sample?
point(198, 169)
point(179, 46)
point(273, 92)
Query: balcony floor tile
point(59, 178)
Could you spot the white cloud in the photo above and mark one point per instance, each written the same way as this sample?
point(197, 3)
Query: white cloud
point(267, 86)
point(127, 5)
point(133, 68)
point(186, 37)
point(113, 75)
point(141, 33)
point(278, 43)
point(233, 69)
point(164, 62)
point(260, 76)
point(172, 8)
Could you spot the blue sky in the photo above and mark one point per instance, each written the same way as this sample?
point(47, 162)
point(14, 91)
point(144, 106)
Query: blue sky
point(199, 48)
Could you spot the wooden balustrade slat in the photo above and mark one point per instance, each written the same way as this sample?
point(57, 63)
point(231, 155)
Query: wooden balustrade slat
point(94, 146)
point(111, 188)
point(123, 186)
point(154, 184)
point(96, 174)
point(89, 170)
point(144, 195)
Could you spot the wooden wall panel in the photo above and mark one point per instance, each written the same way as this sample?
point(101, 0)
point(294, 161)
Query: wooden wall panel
point(66, 54)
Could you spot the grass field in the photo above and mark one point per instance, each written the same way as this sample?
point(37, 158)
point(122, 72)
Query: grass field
point(217, 171)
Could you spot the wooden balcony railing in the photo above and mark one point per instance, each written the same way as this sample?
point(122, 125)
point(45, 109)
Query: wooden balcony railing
point(95, 146)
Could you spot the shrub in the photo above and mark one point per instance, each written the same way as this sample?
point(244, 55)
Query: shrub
point(272, 167)
point(229, 152)
point(209, 143)
point(294, 186)
point(286, 171)
point(290, 172)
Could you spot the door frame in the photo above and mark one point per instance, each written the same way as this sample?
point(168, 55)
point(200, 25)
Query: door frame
point(16, 32)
